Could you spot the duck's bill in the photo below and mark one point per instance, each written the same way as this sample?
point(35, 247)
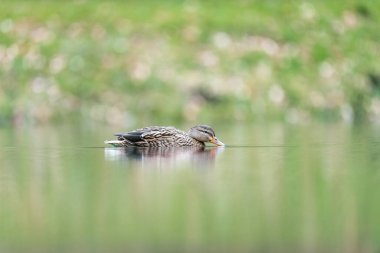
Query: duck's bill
point(217, 142)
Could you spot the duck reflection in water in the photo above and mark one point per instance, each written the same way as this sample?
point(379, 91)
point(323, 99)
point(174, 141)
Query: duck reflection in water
point(165, 157)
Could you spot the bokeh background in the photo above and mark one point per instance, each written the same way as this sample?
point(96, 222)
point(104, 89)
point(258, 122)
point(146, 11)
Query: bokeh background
point(122, 62)
point(282, 83)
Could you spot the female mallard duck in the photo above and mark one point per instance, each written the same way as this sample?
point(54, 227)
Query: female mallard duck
point(156, 136)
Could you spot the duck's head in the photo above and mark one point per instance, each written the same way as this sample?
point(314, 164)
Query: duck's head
point(204, 133)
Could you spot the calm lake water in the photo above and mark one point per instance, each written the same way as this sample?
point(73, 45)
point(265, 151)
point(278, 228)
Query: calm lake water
point(273, 188)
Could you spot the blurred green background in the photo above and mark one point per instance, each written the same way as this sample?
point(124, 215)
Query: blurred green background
point(118, 62)
point(77, 71)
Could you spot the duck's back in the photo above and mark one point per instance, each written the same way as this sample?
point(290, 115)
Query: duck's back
point(158, 136)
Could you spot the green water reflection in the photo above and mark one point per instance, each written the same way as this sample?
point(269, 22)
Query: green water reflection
point(290, 188)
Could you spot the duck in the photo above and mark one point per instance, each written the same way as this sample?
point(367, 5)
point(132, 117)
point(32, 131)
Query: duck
point(166, 136)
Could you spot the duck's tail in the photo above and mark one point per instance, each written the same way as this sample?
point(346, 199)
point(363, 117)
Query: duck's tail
point(115, 143)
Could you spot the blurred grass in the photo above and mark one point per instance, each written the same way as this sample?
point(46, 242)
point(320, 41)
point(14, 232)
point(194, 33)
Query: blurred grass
point(122, 62)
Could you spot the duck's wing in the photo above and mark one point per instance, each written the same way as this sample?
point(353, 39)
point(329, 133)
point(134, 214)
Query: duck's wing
point(148, 135)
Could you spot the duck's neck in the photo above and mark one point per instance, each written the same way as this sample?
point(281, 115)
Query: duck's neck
point(195, 141)
point(198, 143)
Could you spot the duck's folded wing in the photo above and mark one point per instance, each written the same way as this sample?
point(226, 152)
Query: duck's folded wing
point(133, 136)
point(147, 134)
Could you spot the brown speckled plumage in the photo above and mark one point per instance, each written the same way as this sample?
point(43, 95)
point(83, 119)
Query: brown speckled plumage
point(157, 136)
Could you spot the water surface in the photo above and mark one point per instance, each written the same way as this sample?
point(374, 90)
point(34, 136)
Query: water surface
point(272, 188)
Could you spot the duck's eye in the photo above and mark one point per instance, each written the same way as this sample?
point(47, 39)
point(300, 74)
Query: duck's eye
point(206, 132)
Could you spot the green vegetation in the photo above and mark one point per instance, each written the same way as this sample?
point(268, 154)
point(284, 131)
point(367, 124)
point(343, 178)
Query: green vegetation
point(122, 61)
